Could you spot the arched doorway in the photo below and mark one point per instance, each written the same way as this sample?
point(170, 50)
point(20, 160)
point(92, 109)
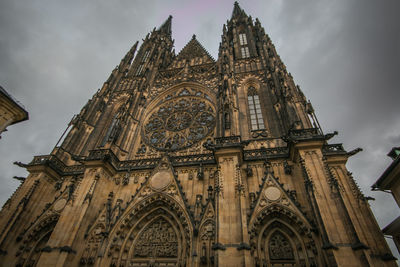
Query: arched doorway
point(155, 232)
point(279, 238)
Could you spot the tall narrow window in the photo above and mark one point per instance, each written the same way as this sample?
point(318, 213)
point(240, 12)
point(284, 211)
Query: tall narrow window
point(242, 39)
point(139, 69)
point(146, 56)
point(244, 49)
point(256, 118)
point(245, 52)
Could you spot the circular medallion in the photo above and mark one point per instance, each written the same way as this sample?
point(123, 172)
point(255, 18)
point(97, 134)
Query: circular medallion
point(161, 180)
point(272, 193)
point(60, 204)
point(179, 122)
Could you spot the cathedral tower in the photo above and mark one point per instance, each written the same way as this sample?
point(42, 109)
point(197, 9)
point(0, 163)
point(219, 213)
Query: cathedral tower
point(184, 160)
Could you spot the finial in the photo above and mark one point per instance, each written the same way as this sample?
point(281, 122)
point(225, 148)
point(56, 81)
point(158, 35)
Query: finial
point(194, 36)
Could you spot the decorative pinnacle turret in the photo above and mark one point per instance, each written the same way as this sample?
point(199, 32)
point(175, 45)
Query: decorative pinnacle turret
point(237, 11)
point(166, 26)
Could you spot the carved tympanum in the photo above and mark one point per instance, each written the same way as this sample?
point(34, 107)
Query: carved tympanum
point(280, 248)
point(157, 240)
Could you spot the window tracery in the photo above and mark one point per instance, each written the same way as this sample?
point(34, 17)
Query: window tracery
point(181, 121)
point(280, 248)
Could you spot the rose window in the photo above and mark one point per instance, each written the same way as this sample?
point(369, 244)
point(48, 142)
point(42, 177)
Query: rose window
point(179, 123)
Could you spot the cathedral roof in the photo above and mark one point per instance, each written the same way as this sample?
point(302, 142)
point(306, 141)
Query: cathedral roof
point(193, 49)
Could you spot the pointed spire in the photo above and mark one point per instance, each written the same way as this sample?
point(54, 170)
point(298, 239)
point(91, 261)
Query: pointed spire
point(238, 11)
point(127, 60)
point(166, 26)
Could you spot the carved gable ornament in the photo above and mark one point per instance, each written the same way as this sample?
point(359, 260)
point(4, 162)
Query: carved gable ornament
point(193, 49)
point(273, 195)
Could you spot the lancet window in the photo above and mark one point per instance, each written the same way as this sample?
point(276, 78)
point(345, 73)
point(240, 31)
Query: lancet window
point(146, 56)
point(244, 49)
point(256, 118)
point(139, 69)
point(242, 39)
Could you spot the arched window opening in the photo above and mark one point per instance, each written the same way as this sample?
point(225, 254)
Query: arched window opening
point(227, 121)
point(256, 118)
point(244, 49)
point(139, 69)
point(146, 55)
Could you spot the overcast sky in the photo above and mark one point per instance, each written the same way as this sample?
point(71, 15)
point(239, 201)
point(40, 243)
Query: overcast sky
point(344, 54)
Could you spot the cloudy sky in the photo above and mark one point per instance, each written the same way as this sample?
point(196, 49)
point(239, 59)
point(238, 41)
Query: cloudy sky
point(344, 54)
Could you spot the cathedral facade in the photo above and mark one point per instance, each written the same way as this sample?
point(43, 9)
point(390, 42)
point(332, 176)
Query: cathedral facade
point(184, 160)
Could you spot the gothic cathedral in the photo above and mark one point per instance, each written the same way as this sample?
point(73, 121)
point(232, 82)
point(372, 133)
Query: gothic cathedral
point(184, 160)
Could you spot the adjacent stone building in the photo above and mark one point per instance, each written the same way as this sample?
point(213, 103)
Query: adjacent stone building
point(184, 160)
point(11, 111)
point(390, 182)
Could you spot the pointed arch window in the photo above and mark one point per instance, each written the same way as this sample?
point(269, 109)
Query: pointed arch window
point(256, 118)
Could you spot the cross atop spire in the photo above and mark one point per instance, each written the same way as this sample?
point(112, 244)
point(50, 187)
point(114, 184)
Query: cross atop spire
point(237, 11)
point(166, 26)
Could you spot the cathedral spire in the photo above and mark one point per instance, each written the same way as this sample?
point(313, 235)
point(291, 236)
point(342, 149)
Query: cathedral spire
point(237, 11)
point(166, 26)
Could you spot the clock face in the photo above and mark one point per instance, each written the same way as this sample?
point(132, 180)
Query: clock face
point(180, 121)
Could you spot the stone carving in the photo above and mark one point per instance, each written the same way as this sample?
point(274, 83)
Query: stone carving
point(179, 122)
point(161, 180)
point(280, 248)
point(157, 240)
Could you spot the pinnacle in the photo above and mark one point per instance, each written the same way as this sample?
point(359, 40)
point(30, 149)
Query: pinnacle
point(166, 26)
point(237, 11)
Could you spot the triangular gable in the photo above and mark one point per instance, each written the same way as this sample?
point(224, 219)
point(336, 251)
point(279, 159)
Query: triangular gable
point(272, 193)
point(163, 180)
point(193, 49)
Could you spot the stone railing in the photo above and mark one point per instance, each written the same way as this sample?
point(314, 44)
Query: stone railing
point(266, 153)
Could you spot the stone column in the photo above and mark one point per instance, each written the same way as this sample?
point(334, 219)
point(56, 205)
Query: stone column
point(338, 239)
point(229, 209)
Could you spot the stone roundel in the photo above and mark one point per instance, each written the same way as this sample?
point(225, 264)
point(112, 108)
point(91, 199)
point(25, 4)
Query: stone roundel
point(272, 193)
point(161, 180)
point(60, 204)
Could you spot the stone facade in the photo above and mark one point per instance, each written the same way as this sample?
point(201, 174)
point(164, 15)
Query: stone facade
point(183, 160)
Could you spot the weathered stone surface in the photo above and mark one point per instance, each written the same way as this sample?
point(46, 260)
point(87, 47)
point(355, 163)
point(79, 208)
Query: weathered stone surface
point(181, 160)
